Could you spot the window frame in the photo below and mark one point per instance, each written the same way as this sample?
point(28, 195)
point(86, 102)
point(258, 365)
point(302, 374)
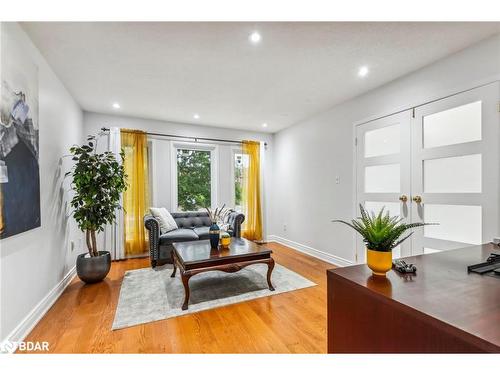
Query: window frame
point(214, 168)
point(234, 150)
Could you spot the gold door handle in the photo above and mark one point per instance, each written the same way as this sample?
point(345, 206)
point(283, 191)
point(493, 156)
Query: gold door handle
point(417, 199)
point(403, 198)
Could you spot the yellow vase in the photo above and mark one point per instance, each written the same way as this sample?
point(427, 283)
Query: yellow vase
point(379, 261)
point(225, 241)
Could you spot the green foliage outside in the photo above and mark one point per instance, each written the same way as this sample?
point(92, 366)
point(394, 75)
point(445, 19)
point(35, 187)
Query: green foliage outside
point(193, 179)
point(380, 232)
point(238, 180)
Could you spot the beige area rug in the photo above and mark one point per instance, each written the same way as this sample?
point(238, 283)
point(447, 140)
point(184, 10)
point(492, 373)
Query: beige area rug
point(148, 295)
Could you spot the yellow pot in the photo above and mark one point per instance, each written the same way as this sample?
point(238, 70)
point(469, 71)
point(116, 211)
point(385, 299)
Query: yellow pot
point(225, 241)
point(379, 261)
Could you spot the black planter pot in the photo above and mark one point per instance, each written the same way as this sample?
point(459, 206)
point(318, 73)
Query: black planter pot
point(93, 269)
point(214, 233)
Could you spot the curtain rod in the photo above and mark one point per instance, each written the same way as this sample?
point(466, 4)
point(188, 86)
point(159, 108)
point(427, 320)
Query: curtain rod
point(196, 139)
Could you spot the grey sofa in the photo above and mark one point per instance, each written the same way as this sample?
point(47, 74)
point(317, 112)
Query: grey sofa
point(193, 226)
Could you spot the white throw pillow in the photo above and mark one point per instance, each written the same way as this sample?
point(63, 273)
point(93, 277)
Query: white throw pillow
point(167, 222)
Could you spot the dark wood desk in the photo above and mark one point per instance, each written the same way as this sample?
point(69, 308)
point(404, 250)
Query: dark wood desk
point(442, 309)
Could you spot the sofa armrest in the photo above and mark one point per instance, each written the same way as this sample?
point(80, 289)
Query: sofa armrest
point(153, 227)
point(235, 220)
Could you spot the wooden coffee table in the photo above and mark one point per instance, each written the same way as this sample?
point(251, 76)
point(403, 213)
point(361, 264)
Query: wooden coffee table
point(195, 257)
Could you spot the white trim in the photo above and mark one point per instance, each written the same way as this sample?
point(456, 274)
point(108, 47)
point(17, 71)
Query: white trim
point(29, 322)
point(329, 258)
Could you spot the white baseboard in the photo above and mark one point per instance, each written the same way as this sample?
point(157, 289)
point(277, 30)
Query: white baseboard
point(329, 258)
point(34, 316)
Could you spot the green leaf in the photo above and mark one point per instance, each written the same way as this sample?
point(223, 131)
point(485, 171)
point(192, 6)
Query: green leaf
point(380, 231)
point(97, 181)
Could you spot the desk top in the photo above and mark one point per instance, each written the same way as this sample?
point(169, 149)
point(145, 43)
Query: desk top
point(442, 289)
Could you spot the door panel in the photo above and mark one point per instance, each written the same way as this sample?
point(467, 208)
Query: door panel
point(455, 170)
point(456, 174)
point(455, 125)
point(383, 141)
point(457, 223)
point(383, 178)
point(383, 170)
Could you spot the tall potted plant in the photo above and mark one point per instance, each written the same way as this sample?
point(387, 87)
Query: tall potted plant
point(381, 233)
point(98, 181)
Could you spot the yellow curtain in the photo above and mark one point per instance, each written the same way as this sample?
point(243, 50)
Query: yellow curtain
point(136, 198)
point(252, 226)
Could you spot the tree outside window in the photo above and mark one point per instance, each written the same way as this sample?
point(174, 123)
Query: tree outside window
point(193, 179)
point(240, 162)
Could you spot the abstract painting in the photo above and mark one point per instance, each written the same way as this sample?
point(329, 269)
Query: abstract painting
point(19, 138)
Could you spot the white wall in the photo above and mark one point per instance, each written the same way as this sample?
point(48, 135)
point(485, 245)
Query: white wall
point(300, 191)
point(161, 163)
point(33, 264)
point(309, 155)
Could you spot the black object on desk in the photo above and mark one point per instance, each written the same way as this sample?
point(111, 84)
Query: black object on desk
point(491, 267)
point(403, 267)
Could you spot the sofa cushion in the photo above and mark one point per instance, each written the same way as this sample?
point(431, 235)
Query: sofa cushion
point(202, 232)
point(191, 219)
point(167, 222)
point(178, 235)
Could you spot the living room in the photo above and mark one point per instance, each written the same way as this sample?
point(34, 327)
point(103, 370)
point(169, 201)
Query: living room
point(182, 187)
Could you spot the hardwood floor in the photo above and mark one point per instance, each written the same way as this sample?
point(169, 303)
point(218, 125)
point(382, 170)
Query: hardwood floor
point(294, 322)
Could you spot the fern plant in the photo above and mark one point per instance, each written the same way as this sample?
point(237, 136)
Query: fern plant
point(381, 232)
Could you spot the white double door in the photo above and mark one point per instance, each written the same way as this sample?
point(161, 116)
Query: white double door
point(437, 163)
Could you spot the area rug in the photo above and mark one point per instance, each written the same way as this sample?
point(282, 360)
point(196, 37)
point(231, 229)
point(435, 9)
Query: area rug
point(148, 295)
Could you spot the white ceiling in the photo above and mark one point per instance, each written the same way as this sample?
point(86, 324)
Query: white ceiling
point(169, 71)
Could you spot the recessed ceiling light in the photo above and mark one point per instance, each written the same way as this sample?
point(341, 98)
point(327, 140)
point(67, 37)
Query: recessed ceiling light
point(363, 71)
point(116, 105)
point(255, 37)
point(196, 116)
point(264, 125)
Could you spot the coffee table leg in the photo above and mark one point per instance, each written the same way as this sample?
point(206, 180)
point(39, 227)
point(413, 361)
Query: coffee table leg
point(270, 267)
point(174, 263)
point(185, 280)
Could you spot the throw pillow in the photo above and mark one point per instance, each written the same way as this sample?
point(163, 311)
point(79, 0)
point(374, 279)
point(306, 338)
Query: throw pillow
point(167, 222)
